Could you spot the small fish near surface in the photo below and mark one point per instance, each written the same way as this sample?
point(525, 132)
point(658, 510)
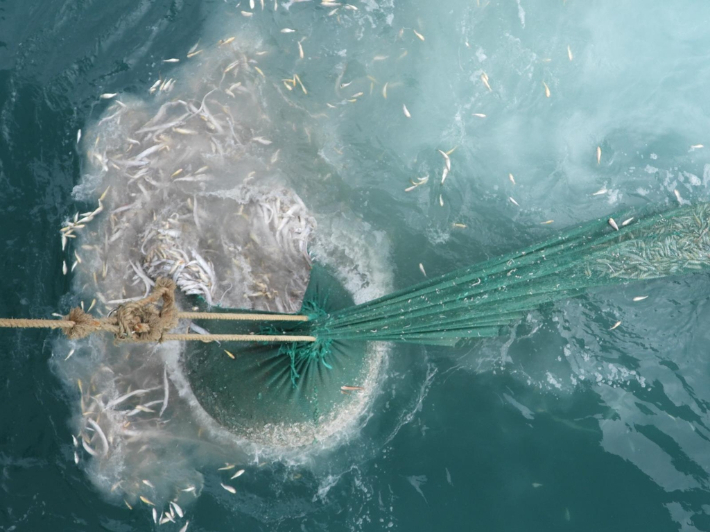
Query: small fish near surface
point(352, 388)
point(147, 501)
point(484, 79)
point(229, 488)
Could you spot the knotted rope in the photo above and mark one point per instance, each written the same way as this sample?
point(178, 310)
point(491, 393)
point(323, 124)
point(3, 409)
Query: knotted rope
point(137, 321)
point(145, 321)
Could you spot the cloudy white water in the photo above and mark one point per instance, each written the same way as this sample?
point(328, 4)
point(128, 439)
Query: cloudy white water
point(550, 113)
point(193, 189)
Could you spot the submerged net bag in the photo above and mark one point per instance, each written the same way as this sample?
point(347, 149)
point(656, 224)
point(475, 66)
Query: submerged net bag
point(283, 394)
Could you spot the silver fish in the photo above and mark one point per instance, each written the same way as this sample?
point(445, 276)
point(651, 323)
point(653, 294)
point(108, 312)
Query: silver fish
point(447, 160)
point(230, 489)
point(177, 508)
point(167, 391)
point(100, 432)
point(119, 400)
point(88, 449)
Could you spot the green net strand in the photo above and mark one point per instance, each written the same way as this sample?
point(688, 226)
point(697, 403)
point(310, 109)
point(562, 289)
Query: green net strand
point(304, 355)
point(478, 301)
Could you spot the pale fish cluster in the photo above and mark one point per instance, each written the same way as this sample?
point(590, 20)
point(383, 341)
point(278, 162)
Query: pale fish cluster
point(186, 185)
point(191, 190)
point(78, 222)
point(272, 223)
point(674, 245)
point(119, 426)
point(166, 257)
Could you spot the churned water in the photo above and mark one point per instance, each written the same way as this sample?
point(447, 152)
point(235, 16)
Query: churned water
point(552, 112)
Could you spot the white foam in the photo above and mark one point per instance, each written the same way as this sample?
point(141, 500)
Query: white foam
point(170, 450)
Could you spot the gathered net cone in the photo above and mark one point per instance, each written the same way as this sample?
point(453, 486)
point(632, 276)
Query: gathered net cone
point(265, 394)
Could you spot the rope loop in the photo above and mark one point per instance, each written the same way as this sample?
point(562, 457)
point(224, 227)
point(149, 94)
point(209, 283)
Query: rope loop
point(137, 321)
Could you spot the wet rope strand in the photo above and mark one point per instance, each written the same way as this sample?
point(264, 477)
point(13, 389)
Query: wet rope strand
point(143, 321)
point(240, 317)
point(237, 337)
point(20, 323)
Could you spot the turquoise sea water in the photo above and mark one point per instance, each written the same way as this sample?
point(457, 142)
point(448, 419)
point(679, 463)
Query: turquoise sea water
point(560, 425)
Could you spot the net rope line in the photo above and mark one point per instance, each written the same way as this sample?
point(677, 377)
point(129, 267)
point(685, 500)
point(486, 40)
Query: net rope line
point(144, 321)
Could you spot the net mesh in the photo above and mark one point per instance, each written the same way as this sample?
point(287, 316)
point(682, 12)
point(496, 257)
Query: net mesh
point(283, 393)
point(479, 300)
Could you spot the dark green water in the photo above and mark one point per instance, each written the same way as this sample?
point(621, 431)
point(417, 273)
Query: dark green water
point(565, 425)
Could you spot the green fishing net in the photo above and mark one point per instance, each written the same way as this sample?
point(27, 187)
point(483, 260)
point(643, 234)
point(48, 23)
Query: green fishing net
point(477, 301)
point(271, 391)
point(299, 382)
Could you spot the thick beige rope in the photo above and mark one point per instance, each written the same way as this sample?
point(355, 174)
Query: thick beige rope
point(238, 337)
point(241, 317)
point(144, 321)
point(21, 323)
